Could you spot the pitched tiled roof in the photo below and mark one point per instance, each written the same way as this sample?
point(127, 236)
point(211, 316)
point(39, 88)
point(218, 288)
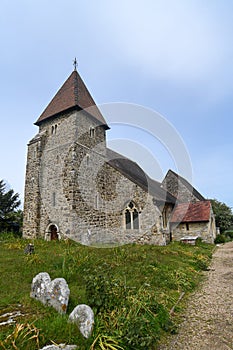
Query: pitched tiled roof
point(133, 172)
point(192, 212)
point(72, 95)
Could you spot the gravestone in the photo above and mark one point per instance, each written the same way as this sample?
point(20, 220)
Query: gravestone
point(29, 249)
point(39, 287)
point(59, 347)
point(54, 293)
point(58, 292)
point(83, 316)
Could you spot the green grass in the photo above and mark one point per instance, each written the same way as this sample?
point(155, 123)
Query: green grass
point(131, 289)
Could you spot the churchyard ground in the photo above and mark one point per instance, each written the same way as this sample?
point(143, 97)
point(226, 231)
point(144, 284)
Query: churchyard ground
point(133, 290)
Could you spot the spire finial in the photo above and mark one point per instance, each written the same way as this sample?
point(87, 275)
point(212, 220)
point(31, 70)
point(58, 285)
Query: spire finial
point(75, 63)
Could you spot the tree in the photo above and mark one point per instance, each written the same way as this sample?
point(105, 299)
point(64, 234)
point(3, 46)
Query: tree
point(223, 215)
point(10, 219)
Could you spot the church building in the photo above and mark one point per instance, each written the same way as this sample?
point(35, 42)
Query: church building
point(78, 188)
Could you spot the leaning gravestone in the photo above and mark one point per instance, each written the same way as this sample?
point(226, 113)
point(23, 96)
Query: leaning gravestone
point(83, 316)
point(54, 293)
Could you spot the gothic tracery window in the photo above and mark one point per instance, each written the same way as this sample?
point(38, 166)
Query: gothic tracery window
point(131, 216)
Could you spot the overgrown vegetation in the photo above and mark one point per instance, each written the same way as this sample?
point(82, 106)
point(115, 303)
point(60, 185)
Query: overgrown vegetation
point(223, 215)
point(11, 218)
point(224, 237)
point(130, 288)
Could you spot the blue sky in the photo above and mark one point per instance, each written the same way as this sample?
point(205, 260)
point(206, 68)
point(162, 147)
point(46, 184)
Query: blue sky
point(173, 57)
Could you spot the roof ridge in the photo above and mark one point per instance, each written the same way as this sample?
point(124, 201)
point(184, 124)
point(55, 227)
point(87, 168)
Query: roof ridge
point(76, 88)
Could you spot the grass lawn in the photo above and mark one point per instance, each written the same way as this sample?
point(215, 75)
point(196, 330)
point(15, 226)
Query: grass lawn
point(131, 289)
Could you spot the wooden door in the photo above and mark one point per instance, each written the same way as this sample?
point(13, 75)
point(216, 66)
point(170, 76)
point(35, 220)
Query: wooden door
point(53, 230)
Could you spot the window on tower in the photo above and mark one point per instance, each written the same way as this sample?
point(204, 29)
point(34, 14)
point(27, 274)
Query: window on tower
point(92, 132)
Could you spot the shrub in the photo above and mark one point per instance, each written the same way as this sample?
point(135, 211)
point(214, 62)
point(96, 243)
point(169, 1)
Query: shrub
point(104, 292)
point(220, 239)
point(229, 235)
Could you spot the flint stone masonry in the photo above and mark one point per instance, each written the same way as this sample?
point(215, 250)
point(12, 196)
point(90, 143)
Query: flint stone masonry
point(83, 316)
point(53, 293)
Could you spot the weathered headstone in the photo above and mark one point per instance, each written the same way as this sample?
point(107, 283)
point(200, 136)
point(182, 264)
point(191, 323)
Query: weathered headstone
point(59, 347)
point(58, 292)
point(54, 293)
point(39, 287)
point(29, 249)
point(83, 316)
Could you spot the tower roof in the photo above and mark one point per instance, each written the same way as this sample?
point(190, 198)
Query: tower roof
point(72, 95)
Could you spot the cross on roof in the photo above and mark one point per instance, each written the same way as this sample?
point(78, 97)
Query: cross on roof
point(75, 63)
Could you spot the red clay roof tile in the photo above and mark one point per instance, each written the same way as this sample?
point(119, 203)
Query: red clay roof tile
point(192, 212)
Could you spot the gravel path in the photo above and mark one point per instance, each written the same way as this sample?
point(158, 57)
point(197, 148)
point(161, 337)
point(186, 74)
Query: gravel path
point(208, 322)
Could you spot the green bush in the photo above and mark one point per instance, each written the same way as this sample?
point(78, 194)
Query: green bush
point(220, 239)
point(229, 235)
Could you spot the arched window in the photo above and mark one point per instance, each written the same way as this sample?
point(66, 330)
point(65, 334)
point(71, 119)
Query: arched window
point(54, 129)
point(92, 132)
point(131, 216)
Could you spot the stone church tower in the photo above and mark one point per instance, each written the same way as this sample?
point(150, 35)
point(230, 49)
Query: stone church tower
point(78, 188)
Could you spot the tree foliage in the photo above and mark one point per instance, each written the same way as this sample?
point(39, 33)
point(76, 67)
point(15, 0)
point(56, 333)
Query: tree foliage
point(223, 215)
point(10, 217)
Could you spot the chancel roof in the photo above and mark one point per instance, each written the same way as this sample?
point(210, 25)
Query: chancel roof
point(192, 212)
point(72, 95)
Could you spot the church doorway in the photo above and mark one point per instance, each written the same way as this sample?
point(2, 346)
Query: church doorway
point(53, 233)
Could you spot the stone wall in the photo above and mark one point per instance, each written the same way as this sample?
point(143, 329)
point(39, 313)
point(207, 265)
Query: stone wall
point(69, 184)
point(32, 197)
point(98, 194)
point(204, 230)
point(45, 159)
